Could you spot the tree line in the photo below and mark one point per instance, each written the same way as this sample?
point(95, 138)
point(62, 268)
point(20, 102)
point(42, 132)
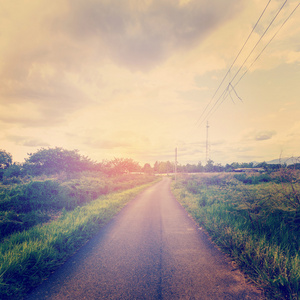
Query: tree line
point(55, 160)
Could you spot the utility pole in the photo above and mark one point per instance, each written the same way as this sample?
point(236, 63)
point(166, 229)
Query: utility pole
point(175, 169)
point(207, 143)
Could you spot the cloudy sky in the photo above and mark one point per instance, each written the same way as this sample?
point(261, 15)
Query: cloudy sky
point(137, 78)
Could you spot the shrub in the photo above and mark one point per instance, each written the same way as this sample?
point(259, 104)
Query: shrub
point(25, 205)
point(254, 179)
point(193, 187)
point(41, 195)
point(11, 222)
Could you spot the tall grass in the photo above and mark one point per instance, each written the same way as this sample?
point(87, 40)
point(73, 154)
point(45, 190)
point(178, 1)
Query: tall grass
point(256, 224)
point(28, 257)
point(37, 200)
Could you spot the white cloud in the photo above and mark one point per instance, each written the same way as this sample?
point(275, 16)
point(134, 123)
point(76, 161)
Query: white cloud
point(27, 141)
point(264, 135)
point(139, 35)
point(115, 78)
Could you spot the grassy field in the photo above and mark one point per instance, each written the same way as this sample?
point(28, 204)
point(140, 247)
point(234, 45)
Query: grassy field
point(63, 214)
point(253, 218)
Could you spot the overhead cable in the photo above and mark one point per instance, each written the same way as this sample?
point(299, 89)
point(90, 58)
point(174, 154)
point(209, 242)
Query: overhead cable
point(267, 44)
point(259, 40)
point(242, 48)
point(257, 57)
point(224, 95)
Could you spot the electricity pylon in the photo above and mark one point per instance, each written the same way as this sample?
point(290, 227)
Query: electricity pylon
point(207, 143)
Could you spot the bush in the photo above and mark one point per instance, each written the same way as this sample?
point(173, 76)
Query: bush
point(11, 222)
point(43, 195)
point(13, 170)
point(29, 257)
point(25, 205)
point(193, 187)
point(36, 195)
point(11, 180)
point(214, 180)
point(254, 179)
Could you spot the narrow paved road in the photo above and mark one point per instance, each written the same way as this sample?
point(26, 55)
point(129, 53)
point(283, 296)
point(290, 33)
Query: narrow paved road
point(151, 250)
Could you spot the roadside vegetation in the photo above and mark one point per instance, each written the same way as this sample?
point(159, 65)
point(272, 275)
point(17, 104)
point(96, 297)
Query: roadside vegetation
point(51, 205)
point(255, 218)
point(28, 257)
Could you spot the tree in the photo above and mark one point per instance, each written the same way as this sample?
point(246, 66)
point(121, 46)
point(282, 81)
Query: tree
point(181, 169)
point(147, 168)
point(188, 168)
point(219, 168)
point(262, 165)
point(156, 166)
point(209, 167)
point(200, 168)
point(165, 167)
point(55, 160)
point(122, 165)
point(5, 159)
point(14, 170)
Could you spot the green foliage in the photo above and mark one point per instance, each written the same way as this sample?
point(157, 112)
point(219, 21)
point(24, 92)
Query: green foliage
point(5, 159)
point(41, 195)
point(119, 166)
point(14, 170)
point(58, 160)
point(189, 168)
point(11, 222)
point(11, 180)
point(163, 167)
point(254, 179)
point(147, 169)
point(195, 185)
point(55, 160)
point(257, 224)
point(209, 167)
point(67, 209)
point(35, 195)
point(28, 257)
point(214, 180)
point(25, 205)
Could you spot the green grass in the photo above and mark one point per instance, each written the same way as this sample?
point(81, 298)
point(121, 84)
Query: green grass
point(28, 257)
point(257, 225)
point(38, 199)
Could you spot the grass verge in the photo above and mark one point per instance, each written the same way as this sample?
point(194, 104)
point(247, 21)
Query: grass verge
point(258, 226)
point(28, 257)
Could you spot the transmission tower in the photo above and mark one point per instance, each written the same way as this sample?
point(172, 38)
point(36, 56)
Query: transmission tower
point(207, 143)
point(175, 165)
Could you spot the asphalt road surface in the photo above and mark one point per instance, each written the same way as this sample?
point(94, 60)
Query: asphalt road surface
point(151, 250)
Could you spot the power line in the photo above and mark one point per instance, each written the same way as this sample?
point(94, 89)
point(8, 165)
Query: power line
point(259, 40)
point(230, 84)
point(267, 44)
point(234, 60)
point(224, 95)
point(207, 143)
